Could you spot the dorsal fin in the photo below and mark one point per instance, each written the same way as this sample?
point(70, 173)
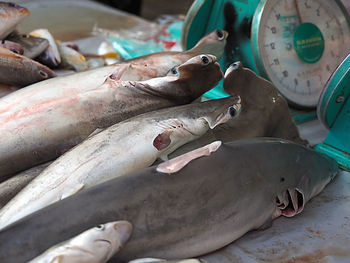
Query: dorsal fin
point(176, 164)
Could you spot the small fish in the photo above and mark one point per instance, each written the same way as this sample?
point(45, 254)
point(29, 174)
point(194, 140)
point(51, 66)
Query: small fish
point(96, 245)
point(51, 56)
point(118, 150)
point(71, 58)
point(33, 46)
point(10, 16)
point(21, 71)
point(107, 52)
point(12, 46)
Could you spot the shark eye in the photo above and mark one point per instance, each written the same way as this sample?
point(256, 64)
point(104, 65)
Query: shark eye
point(232, 111)
point(43, 74)
point(220, 34)
point(235, 65)
point(174, 71)
point(205, 60)
point(100, 227)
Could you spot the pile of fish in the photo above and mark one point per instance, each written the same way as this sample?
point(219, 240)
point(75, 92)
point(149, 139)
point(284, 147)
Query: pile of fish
point(29, 58)
point(77, 151)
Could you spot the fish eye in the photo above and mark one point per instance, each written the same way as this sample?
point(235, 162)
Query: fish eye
point(100, 227)
point(205, 60)
point(11, 5)
point(235, 65)
point(43, 74)
point(232, 111)
point(174, 71)
point(220, 34)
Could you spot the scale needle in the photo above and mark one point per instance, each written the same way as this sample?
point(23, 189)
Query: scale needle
point(298, 11)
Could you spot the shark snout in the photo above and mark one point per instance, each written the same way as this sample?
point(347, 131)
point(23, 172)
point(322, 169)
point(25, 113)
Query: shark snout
point(233, 67)
point(124, 229)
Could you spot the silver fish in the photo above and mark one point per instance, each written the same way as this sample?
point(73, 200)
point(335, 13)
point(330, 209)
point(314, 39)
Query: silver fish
point(20, 71)
point(72, 58)
point(96, 245)
point(38, 125)
point(51, 56)
point(120, 149)
point(208, 203)
point(10, 16)
point(33, 46)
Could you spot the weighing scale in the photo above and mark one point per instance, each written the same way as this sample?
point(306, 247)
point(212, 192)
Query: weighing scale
point(297, 44)
point(334, 112)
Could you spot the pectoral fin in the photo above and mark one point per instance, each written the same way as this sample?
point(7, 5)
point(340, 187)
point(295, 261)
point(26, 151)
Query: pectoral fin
point(176, 164)
point(72, 191)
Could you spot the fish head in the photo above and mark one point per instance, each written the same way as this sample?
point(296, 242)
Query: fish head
point(294, 191)
point(104, 240)
point(42, 72)
point(197, 118)
point(197, 75)
point(8, 9)
point(214, 43)
point(220, 111)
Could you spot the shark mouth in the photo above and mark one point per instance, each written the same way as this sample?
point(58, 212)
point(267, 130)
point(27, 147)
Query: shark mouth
point(291, 202)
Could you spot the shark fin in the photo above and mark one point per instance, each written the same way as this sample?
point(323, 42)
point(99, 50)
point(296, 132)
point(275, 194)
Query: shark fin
point(176, 164)
point(72, 191)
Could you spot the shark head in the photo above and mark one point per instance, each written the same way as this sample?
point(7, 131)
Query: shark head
point(214, 43)
point(197, 75)
point(104, 240)
point(295, 191)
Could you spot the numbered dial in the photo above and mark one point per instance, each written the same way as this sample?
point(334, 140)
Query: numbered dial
point(298, 44)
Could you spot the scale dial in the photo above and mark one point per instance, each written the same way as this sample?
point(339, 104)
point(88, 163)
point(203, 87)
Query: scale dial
point(297, 44)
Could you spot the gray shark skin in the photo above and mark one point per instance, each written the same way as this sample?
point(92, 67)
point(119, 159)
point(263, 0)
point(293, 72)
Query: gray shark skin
point(265, 113)
point(206, 205)
point(10, 187)
point(50, 122)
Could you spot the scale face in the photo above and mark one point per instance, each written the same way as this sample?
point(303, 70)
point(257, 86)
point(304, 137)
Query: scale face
point(298, 44)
